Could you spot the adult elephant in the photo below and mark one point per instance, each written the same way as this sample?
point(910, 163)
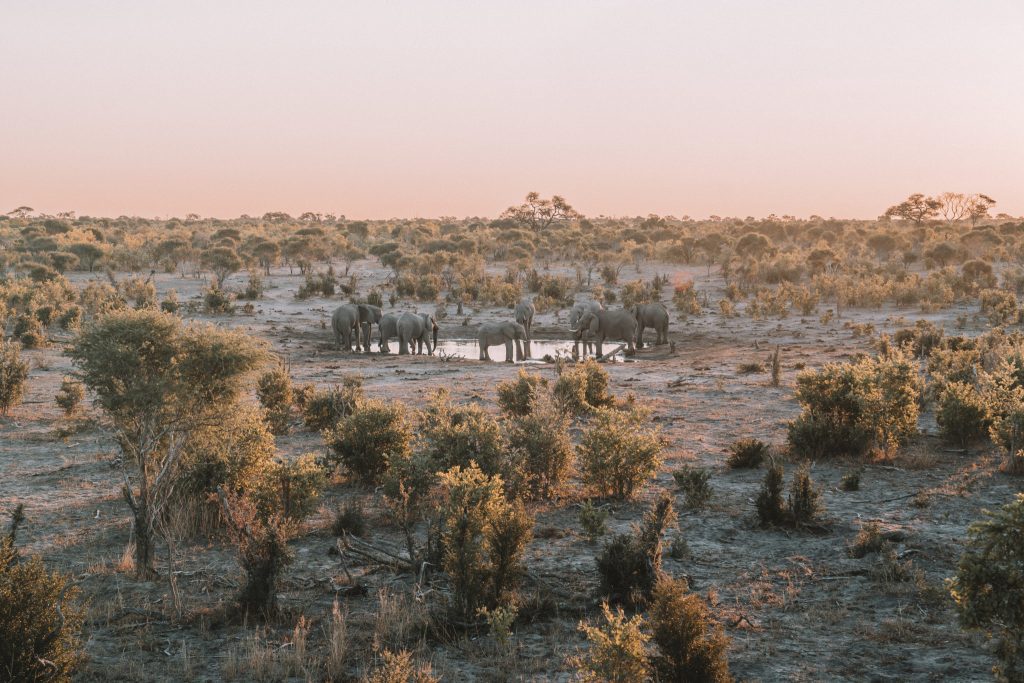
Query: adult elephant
point(493, 334)
point(617, 325)
point(368, 316)
point(344, 320)
point(651, 315)
point(418, 329)
point(575, 313)
point(524, 316)
point(388, 327)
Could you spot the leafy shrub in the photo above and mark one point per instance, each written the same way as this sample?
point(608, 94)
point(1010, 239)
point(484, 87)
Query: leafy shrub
point(618, 652)
point(684, 296)
point(482, 537)
point(747, 454)
point(541, 448)
point(619, 452)
point(851, 407)
point(274, 390)
point(367, 442)
point(349, 519)
point(594, 520)
point(70, 396)
point(138, 292)
point(771, 509)
point(693, 482)
point(216, 301)
point(1003, 395)
point(801, 509)
point(317, 283)
point(804, 499)
point(29, 331)
point(630, 564)
point(850, 481)
point(691, 643)
point(39, 619)
point(71, 318)
point(962, 414)
point(869, 540)
point(323, 409)
point(462, 434)
point(518, 396)
point(399, 667)
point(253, 288)
point(290, 488)
point(583, 388)
point(13, 376)
point(988, 589)
point(999, 305)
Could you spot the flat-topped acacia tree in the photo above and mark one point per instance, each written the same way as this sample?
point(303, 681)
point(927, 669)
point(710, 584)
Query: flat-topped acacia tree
point(158, 381)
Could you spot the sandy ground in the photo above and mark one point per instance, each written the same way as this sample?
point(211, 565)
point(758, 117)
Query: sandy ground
point(796, 605)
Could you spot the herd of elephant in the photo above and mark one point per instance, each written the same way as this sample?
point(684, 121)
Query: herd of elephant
point(589, 322)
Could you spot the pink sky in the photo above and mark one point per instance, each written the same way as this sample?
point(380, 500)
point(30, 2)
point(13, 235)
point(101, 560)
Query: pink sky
point(385, 109)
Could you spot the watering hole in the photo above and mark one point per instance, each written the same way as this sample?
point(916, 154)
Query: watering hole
point(468, 348)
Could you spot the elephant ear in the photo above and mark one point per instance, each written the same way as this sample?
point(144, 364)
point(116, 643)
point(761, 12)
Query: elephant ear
point(595, 324)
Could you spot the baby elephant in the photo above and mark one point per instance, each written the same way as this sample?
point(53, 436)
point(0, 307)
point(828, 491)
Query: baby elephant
point(492, 334)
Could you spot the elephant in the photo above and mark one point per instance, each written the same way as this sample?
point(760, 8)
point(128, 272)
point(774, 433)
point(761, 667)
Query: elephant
point(368, 315)
point(416, 328)
point(651, 315)
point(524, 316)
point(388, 327)
point(617, 325)
point(575, 314)
point(343, 321)
point(492, 334)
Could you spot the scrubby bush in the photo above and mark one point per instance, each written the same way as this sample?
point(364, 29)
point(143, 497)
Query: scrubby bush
point(71, 318)
point(849, 408)
point(694, 483)
point(691, 644)
point(13, 375)
point(961, 414)
point(618, 650)
point(517, 397)
point(630, 564)
point(869, 540)
point(274, 390)
point(399, 667)
point(70, 396)
point(1003, 394)
point(804, 499)
point(462, 434)
point(684, 296)
point(802, 508)
point(999, 305)
point(747, 454)
point(583, 388)
point(317, 283)
point(322, 409)
point(349, 519)
point(594, 520)
point(29, 331)
point(290, 488)
point(541, 448)
point(482, 537)
point(369, 440)
point(771, 509)
point(40, 621)
point(619, 451)
point(988, 587)
point(216, 301)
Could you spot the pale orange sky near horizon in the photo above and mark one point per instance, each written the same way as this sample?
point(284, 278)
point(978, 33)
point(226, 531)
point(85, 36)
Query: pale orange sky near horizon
point(387, 109)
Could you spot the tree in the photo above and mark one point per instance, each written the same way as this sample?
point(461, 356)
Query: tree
point(916, 208)
point(158, 382)
point(267, 253)
point(539, 214)
point(88, 253)
point(953, 205)
point(222, 261)
point(978, 206)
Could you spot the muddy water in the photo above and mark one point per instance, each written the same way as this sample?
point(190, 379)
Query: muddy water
point(467, 348)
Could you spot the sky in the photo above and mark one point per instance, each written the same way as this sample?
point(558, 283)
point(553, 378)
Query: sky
point(426, 108)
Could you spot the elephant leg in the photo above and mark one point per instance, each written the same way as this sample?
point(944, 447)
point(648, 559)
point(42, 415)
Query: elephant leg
point(640, 336)
point(366, 338)
point(598, 352)
point(403, 347)
point(508, 351)
point(520, 354)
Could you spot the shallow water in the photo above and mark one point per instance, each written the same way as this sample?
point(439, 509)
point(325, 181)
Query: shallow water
point(467, 348)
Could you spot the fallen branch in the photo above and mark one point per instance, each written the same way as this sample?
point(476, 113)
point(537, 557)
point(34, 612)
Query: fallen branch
point(611, 353)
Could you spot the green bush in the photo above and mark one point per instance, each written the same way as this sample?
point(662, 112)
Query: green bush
point(630, 564)
point(594, 520)
point(691, 644)
point(274, 390)
point(323, 409)
point(771, 509)
point(618, 650)
point(369, 440)
point(349, 519)
point(693, 482)
point(804, 499)
point(988, 587)
point(457, 435)
point(850, 408)
point(583, 388)
point(541, 448)
point(1003, 394)
point(399, 667)
point(802, 508)
point(71, 318)
point(40, 622)
point(619, 452)
point(290, 488)
point(517, 397)
point(29, 331)
point(13, 376)
point(961, 414)
point(70, 396)
point(747, 454)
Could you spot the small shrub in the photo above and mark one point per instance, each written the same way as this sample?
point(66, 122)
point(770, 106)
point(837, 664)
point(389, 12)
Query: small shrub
point(70, 396)
point(13, 376)
point(399, 667)
point(962, 414)
point(274, 390)
point(291, 488)
point(594, 520)
point(71, 319)
point(771, 509)
point(317, 283)
point(619, 452)
point(349, 519)
point(323, 409)
point(850, 481)
point(804, 500)
point(630, 564)
point(542, 449)
point(583, 388)
point(747, 454)
point(253, 288)
point(988, 589)
point(694, 483)
point(691, 644)
point(869, 540)
point(462, 434)
point(754, 368)
point(29, 331)
point(517, 397)
point(618, 650)
point(216, 301)
point(369, 440)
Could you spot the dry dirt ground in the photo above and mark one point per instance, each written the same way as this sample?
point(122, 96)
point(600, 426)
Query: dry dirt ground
point(796, 605)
